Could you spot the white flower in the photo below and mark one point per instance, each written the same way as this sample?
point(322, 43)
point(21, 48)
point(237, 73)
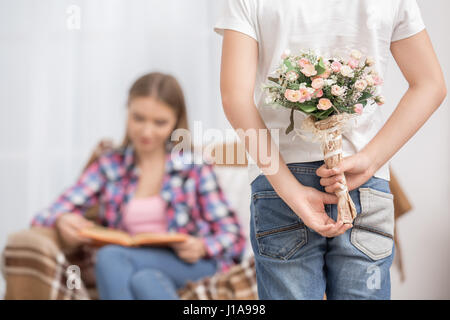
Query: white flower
point(373, 73)
point(370, 61)
point(284, 68)
point(379, 100)
point(337, 90)
point(285, 54)
point(292, 76)
point(355, 54)
point(346, 71)
point(311, 90)
point(360, 85)
point(369, 79)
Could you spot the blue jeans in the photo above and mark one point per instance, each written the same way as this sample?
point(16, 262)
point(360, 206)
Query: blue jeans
point(148, 273)
point(294, 262)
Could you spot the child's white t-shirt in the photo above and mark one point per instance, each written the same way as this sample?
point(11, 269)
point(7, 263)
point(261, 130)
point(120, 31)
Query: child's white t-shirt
point(332, 28)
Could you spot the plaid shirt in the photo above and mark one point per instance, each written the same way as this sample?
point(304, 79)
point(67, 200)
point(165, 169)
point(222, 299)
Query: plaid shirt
point(196, 204)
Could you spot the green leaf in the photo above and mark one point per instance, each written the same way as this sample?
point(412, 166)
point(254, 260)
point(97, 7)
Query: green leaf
point(366, 95)
point(291, 125)
point(323, 114)
point(289, 65)
point(307, 107)
point(363, 99)
point(294, 86)
point(320, 67)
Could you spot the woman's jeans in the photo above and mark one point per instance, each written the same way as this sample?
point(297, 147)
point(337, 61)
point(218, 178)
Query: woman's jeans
point(149, 273)
point(294, 262)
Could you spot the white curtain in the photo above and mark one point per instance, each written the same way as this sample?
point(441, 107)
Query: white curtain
point(63, 88)
point(65, 69)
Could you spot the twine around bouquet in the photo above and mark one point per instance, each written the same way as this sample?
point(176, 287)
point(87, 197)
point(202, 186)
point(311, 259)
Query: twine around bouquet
point(329, 133)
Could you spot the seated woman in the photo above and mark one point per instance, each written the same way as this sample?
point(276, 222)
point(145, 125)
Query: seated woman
point(145, 187)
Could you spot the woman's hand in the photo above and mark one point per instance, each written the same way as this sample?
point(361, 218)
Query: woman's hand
point(308, 204)
point(68, 226)
point(190, 250)
point(358, 169)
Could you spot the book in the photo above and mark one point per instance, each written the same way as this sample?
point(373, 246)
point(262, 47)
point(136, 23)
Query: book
point(103, 235)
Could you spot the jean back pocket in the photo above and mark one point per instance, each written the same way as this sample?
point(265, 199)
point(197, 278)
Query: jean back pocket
point(279, 231)
point(373, 228)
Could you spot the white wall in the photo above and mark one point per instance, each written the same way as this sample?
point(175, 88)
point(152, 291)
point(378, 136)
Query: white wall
point(62, 90)
point(422, 167)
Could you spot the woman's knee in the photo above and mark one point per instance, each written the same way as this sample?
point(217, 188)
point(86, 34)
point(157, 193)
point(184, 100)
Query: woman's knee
point(108, 254)
point(146, 278)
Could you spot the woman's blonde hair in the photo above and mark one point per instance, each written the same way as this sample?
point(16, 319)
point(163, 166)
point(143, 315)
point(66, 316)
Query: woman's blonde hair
point(165, 88)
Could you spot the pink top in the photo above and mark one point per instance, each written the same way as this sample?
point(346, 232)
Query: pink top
point(146, 215)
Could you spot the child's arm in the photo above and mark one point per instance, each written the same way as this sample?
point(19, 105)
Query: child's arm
point(238, 71)
point(427, 89)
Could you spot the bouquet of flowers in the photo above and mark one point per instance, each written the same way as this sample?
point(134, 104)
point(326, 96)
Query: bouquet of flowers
point(330, 91)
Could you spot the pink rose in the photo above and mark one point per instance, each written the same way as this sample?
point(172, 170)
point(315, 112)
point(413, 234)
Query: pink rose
point(336, 66)
point(324, 104)
point(309, 70)
point(377, 80)
point(292, 95)
point(304, 95)
point(358, 108)
point(303, 62)
point(353, 63)
point(326, 74)
point(318, 93)
point(317, 83)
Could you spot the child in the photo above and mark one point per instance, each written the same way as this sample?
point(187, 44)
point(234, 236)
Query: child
point(301, 252)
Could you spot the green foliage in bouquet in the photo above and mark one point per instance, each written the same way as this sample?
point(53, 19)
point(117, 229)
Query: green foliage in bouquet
point(322, 87)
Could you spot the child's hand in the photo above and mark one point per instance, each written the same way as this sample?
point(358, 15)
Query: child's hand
point(190, 250)
point(308, 204)
point(358, 168)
